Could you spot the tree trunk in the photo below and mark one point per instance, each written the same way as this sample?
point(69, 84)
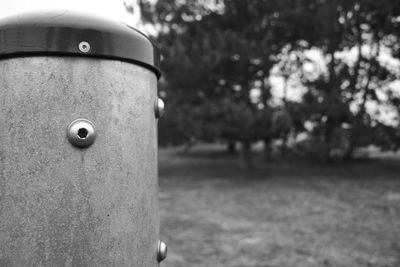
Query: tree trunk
point(231, 147)
point(246, 156)
point(284, 146)
point(188, 145)
point(327, 141)
point(268, 149)
point(348, 155)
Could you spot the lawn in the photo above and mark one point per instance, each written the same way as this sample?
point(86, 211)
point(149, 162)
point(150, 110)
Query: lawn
point(215, 214)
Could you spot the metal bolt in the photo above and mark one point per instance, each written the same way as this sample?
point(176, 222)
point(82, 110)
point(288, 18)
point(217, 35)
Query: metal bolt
point(81, 133)
point(162, 251)
point(84, 47)
point(159, 107)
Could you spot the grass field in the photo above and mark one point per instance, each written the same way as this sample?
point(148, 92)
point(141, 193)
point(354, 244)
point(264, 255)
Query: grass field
point(215, 214)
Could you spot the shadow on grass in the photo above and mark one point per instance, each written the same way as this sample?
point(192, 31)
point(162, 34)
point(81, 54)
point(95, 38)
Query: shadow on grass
point(211, 162)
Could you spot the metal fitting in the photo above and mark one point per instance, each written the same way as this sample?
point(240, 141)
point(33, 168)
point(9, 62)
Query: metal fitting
point(159, 107)
point(84, 47)
point(162, 251)
point(81, 133)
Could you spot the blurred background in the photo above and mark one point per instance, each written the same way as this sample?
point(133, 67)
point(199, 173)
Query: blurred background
point(279, 145)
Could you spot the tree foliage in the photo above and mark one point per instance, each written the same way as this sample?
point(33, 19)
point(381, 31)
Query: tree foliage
point(217, 58)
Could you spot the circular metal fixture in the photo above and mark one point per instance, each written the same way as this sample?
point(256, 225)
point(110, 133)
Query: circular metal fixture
point(162, 251)
point(84, 47)
point(81, 133)
point(159, 107)
point(43, 33)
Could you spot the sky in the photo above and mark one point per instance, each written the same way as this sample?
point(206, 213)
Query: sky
point(109, 8)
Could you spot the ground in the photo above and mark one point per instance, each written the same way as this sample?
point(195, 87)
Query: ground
point(214, 213)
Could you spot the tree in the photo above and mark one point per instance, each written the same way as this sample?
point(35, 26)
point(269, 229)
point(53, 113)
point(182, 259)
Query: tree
point(217, 53)
point(336, 100)
point(213, 57)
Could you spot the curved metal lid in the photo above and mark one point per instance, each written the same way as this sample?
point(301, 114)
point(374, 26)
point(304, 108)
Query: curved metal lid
point(73, 34)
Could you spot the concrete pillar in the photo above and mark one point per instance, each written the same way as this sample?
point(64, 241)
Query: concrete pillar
point(65, 205)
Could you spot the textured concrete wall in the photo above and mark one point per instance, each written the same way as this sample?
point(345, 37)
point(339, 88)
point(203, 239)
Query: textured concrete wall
point(64, 206)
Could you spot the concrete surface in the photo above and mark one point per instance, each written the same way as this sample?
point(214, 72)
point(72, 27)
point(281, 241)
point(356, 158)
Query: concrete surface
point(64, 206)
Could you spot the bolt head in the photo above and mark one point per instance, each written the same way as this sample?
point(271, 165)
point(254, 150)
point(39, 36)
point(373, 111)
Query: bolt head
point(81, 133)
point(84, 47)
point(162, 251)
point(159, 108)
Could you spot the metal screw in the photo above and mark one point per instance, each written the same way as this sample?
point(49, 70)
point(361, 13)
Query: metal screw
point(81, 133)
point(162, 251)
point(159, 107)
point(84, 47)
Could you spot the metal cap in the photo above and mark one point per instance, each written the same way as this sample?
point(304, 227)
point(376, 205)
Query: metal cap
point(67, 33)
